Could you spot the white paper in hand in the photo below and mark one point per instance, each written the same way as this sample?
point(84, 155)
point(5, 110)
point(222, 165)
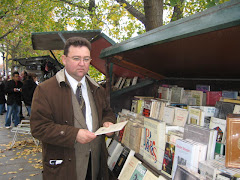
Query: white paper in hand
point(111, 128)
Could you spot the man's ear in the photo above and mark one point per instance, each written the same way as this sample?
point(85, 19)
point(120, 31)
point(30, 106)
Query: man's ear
point(64, 59)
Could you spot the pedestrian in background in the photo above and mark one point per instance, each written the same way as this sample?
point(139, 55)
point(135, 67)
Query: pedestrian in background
point(27, 91)
point(13, 90)
point(2, 96)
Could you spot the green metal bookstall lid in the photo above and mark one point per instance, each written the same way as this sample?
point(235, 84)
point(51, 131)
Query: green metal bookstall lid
point(204, 45)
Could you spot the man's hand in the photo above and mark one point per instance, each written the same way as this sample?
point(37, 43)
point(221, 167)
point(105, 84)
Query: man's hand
point(84, 136)
point(107, 124)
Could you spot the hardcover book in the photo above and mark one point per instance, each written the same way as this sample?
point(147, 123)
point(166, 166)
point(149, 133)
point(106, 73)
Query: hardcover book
point(154, 142)
point(213, 97)
point(233, 141)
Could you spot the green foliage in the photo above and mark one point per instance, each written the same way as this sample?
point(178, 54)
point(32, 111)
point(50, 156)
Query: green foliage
point(21, 17)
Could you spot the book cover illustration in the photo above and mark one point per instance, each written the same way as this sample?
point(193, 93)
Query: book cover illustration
point(154, 142)
point(220, 126)
point(139, 172)
point(168, 158)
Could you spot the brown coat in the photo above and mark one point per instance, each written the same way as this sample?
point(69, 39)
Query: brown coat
point(52, 122)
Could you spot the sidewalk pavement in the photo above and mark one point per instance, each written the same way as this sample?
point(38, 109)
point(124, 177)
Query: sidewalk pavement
point(24, 160)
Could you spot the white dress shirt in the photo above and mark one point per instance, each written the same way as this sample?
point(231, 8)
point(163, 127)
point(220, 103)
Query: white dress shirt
point(73, 82)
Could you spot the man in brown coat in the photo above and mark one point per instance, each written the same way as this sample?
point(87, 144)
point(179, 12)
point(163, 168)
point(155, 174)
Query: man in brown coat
point(66, 125)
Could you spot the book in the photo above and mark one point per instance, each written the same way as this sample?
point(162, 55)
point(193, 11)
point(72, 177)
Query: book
point(135, 137)
point(112, 146)
point(168, 114)
point(236, 109)
point(194, 116)
point(213, 97)
point(236, 101)
point(185, 153)
point(203, 88)
point(220, 126)
point(187, 98)
point(139, 172)
point(134, 81)
point(127, 82)
point(116, 86)
point(220, 148)
point(168, 159)
point(154, 142)
point(111, 128)
point(122, 83)
point(217, 166)
point(183, 172)
point(147, 107)
point(128, 168)
point(230, 94)
point(207, 170)
point(166, 93)
point(202, 135)
point(223, 109)
point(177, 93)
point(208, 112)
point(120, 162)
point(126, 134)
point(114, 156)
point(150, 176)
point(180, 117)
point(233, 141)
point(134, 105)
point(155, 108)
point(198, 95)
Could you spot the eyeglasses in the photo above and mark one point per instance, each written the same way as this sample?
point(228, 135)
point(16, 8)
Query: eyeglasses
point(78, 58)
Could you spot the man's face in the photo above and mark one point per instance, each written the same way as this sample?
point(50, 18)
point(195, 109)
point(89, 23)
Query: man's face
point(76, 68)
point(16, 77)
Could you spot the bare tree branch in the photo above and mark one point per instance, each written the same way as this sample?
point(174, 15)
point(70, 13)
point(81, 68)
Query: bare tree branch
point(137, 14)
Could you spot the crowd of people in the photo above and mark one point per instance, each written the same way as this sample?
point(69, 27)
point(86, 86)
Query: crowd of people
point(13, 92)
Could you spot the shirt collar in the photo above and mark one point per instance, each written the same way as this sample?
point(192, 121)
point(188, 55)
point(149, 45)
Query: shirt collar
point(73, 82)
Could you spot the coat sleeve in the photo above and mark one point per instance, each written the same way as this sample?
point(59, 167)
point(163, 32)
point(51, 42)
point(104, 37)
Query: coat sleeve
point(43, 126)
point(107, 114)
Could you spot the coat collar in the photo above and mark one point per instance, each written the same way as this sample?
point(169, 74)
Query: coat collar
point(61, 79)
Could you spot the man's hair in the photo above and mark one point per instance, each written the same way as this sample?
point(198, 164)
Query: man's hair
point(15, 72)
point(76, 41)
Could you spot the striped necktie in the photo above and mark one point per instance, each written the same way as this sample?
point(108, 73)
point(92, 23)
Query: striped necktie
point(80, 99)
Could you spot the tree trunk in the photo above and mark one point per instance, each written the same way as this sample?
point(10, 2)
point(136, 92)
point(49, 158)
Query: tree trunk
point(153, 13)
